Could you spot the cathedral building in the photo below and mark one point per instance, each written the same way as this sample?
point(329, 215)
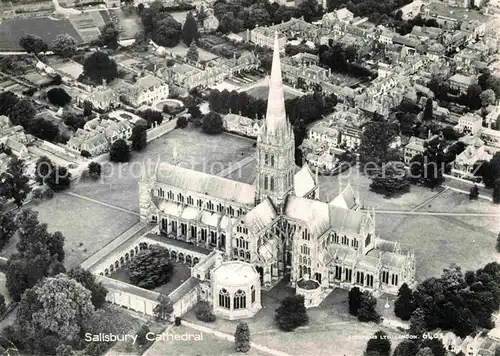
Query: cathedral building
point(277, 225)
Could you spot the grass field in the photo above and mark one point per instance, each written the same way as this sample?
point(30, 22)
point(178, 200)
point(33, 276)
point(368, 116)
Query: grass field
point(86, 226)
point(11, 31)
point(261, 92)
point(129, 24)
point(181, 50)
point(119, 183)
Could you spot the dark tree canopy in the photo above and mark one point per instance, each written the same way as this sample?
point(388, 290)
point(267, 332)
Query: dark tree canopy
point(152, 117)
point(212, 123)
point(98, 67)
point(406, 348)
point(292, 313)
point(14, 182)
point(109, 35)
point(33, 44)
point(375, 142)
point(190, 29)
point(58, 96)
point(94, 169)
point(151, 268)
point(367, 312)
point(391, 179)
point(120, 151)
point(379, 343)
point(354, 299)
point(64, 45)
point(160, 26)
point(58, 179)
point(404, 306)
point(87, 279)
point(139, 137)
point(242, 337)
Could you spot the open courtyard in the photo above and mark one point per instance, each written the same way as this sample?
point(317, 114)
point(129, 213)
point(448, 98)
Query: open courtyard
point(261, 92)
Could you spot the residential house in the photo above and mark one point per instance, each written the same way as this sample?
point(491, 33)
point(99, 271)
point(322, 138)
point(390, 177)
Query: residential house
point(491, 137)
point(470, 123)
point(415, 146)
point(461, 82)
point(241, 125)
point(322, 133)
point(103, 98)
point(94, 143)
point(464, 162)
point(148, 90)
point(211, 23)
point(411, 10)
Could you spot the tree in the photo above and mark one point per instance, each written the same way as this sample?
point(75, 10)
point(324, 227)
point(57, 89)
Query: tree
point(14, 183)
point(74, 120)
point(164, 308)
point(43, 167)
point(2, 304)
point(151, 268)
point(139, 137)
point(152, 117)
point(496, 192)
point(58, 96)
point(58, 179)
point(212, 123)
point(403, 306)
point(354, 299)
point(474, 192)
point(8, 100)
point(204, 312)
point(435, 345)
point(94, 169)
point(87, 108)
point(7, 225)
point(33, 44)
point(109, 35)
point(292, 313)
point(55, 307)
point(428, 110)
point(242, 337)
point(22, 113)
point(99, 323)
point(181, 122)
point(167, 31)
point(64, 350)
point(367, 312)
point(406, 348)
point(391, 179)
point(87, 279)
point(141, 335)
point(487, 97)
point(120, 152)
point(192, 53)
point(379, 343)
point(473, 97)
point(375, 141)
point(43, 129)
point(98, 67)
point(425, 352)
point(64, 45)
point(189, 30)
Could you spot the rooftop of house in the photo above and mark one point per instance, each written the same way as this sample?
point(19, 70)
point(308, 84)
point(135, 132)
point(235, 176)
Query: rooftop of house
point(464, 79)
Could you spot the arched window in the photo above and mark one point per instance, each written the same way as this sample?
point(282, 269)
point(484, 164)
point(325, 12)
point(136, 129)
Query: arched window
point(272, 160)
point(247, 255)
point(199, 202)
point(266, 159)
point(242, 253)
point(224, 299)
point(253, 294)
point(240, 300)
point(266, 183)
point(272, 183)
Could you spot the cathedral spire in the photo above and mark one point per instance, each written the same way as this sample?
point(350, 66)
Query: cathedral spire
point(276, 115)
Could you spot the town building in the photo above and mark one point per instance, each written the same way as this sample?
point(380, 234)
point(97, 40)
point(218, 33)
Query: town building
point(277, 224)
point(102, 98)
point(461, 82)
point(414, 147)
point(465, 162)
point(241, 125)
point(470, 123)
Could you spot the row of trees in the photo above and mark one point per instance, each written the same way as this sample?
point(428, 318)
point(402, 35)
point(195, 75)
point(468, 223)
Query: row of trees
point(63, 45)
point(22, 112)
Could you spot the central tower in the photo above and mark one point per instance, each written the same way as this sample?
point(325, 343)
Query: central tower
point(275, 142)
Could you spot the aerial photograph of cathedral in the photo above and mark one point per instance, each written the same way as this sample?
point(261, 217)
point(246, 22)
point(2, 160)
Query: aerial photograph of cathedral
point(275, 178)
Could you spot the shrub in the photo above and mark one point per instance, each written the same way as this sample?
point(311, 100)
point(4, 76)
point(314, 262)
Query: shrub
point(85, 154)
point(181, 122)
point(177, 321)
point(141, 335)
point(48, 193)
point(204, 312)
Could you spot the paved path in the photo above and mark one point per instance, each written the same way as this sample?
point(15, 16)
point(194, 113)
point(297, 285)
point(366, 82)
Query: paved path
point(237, 165)
point(102, 203)
point(231, 338)
point(431, 213)
point(430, 199)
point(485, 197)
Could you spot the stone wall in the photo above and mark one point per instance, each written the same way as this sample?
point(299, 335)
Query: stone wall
point(161, 129)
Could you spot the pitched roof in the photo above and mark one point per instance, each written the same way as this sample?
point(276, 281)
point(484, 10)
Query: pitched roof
point(346, 220)
point(303, 181)
point(260, 217)
point(313, 212)
point(347, 199)
point(207, 184)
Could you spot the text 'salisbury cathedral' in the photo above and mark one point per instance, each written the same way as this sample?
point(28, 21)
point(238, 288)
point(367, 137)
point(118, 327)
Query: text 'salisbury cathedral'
point(278, 224)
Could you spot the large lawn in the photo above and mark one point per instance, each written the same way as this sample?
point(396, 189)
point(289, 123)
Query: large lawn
point(195, 150)
point(181, 50)
point(86, 226)
point(205, 344)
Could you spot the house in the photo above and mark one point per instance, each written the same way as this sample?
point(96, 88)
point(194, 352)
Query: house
point(211, 23)
point(241, 125)
point(470, 123)
point(94, 143)
point(461, 82)
point(103, 98)
point(491, 137)
point(322, 133)
point(148, 90)
point(464, 162)
point(410, 10)
point(414, 147)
